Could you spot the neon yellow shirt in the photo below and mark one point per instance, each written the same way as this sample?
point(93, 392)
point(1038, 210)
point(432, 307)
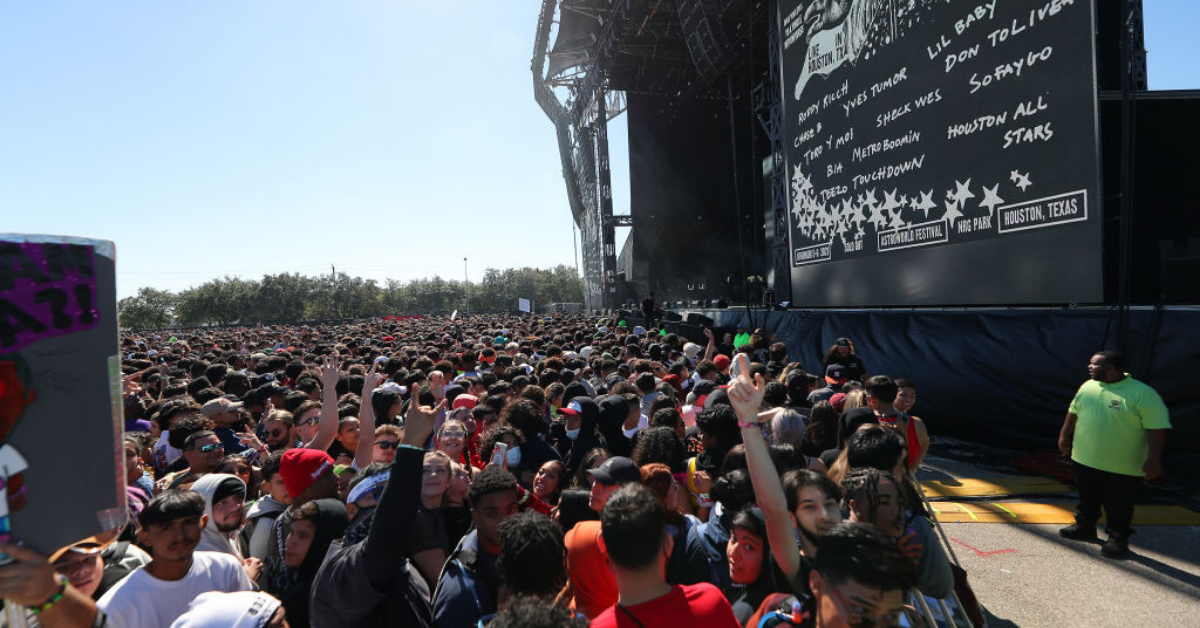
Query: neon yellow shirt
point(1110, 434)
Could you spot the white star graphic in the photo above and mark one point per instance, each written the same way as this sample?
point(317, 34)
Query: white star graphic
point(871, 199)
point(952, 212)
point(890, 201)
point(1021, 180)
point(963, 191)
point(926, 203)
point(991, 199)
point(858, 218)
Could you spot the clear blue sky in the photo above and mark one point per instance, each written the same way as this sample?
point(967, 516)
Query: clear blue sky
point(389, 138)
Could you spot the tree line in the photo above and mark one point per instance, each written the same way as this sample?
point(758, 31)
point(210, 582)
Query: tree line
point(288, 297)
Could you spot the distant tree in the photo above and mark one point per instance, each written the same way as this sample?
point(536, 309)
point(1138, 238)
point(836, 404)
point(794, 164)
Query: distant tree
point(292, 297)
point(149, 309)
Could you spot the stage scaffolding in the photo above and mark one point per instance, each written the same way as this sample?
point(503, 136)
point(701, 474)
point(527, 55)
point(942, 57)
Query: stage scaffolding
point(589, 53)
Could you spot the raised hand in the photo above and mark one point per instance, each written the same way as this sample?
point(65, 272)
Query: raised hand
point(437, 385)
point(29, 580)
point(745, 394)
point(703, 481)
point(371, 381)
point(418, 423)
point(330, 370)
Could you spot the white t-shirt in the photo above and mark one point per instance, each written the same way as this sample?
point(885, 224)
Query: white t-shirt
point(140, 599)
point(164, 451)
point(11, 463)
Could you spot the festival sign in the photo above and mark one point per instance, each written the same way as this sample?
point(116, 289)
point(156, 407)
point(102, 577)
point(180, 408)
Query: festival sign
point(61, 458)
point(921, 124)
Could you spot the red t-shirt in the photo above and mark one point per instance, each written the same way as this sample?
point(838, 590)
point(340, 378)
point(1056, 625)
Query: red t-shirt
point(594, 584)
point(691, 605)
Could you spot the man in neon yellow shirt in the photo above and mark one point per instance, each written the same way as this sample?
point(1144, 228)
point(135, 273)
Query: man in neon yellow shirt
point(1114, 432)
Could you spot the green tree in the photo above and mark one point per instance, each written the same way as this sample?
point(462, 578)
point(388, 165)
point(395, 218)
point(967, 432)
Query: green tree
point(149, 309)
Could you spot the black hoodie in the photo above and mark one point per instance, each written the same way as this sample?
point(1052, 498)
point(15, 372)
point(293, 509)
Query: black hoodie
point(589, 434)
point(613, 410)
point(331, 523)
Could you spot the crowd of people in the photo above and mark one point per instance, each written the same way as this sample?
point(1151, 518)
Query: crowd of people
point(500, 471)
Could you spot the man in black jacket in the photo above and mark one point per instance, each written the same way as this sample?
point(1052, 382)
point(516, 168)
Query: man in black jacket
point(369, 583)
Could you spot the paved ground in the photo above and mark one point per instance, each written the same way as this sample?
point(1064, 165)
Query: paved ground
point(1026, 576)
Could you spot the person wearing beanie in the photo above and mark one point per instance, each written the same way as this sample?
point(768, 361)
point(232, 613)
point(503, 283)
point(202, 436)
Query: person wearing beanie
point(225, 505)
point(722, 362)
point(308, 475)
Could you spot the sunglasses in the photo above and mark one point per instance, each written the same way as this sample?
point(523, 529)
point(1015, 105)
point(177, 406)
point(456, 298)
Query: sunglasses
point(387, 444)
point(275, 433)
point(312, 421)
point(204, 449)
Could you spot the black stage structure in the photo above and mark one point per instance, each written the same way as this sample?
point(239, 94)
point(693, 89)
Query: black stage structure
point(939, 225)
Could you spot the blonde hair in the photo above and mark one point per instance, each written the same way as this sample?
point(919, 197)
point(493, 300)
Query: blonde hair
point(389, 429)
point(855, 399)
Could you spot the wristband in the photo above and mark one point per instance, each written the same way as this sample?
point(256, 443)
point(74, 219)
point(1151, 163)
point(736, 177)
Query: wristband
point(54, 598)
point(412, 447)
point(749, 424)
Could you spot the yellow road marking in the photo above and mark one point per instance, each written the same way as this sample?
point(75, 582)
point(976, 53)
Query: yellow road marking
point(1017, 485)
point(1025, 512)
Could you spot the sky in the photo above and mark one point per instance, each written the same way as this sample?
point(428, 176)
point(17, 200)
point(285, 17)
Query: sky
point(386, 138)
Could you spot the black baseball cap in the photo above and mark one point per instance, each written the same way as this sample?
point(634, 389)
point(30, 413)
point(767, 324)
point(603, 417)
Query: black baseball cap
point(617, 470)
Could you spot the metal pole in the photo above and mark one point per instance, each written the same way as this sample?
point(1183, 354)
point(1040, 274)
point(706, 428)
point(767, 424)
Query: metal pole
point(467, 286)
point(737, 199)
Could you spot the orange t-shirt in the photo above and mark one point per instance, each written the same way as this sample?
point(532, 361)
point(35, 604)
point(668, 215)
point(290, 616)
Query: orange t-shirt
point(587, 563)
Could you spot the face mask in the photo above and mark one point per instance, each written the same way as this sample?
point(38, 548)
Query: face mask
point(629, 433)
point(573, 434)
point(513, 457)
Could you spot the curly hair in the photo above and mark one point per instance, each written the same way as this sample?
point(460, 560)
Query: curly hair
point(491, 480)
point(531, 538)
point(660, 444)
point(535, 612)
point(526, 416)
point(494, 435)
point(186, 427)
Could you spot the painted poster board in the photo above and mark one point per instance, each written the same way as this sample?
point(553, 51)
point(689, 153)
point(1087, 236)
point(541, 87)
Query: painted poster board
point(61, 413)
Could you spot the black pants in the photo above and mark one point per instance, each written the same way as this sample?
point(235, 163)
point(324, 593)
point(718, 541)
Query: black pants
point(1113, 491)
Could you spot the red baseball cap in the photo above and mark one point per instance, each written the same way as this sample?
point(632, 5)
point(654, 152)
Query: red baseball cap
point(299, 468)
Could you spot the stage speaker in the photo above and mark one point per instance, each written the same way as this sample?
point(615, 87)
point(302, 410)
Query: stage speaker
point(672, 316)
point(699, 319)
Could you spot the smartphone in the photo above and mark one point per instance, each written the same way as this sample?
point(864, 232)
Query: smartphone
point(500, 455)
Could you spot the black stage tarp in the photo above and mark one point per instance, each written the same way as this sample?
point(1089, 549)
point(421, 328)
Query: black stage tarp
point(1003, 377)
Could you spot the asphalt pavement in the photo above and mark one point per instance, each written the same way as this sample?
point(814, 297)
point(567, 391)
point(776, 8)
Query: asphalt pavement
point(1026, 575)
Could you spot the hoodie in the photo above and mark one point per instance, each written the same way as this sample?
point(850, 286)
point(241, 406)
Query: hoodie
point(331, 524)
point(589, 434)
point(613, 410)
point(210, 486)
point(256, 534)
